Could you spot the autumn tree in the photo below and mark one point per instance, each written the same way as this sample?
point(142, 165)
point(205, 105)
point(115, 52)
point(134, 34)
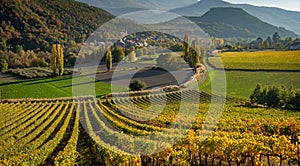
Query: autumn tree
point(108, 59)
point(3, 65)
point(57, 60)
point(132, 56)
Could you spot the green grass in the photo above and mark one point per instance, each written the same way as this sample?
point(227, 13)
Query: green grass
point(241, 84)
point(53, 88)
point(266, 60)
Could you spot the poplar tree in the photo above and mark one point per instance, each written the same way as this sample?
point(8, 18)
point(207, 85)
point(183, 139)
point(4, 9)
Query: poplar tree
point(185, 47)
point(57, 60)
point(108, 57)
point(196, 53)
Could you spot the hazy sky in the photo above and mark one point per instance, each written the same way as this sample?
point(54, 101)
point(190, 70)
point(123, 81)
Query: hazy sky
point(285, 4)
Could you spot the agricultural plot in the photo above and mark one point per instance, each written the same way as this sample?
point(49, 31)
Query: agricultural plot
point(244, 70)
point(43, 132)
point(52, 88)
point(264, 60)
point(240, 84)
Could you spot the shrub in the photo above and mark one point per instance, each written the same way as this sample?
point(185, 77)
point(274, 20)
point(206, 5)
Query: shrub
point(137, 85)
point(276, 96)
point(168, 62)
point(3, 65)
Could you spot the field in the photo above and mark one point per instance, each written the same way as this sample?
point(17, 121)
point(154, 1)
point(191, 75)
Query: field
point(52, 132)
point(240, 84)
point(52, 88)
point(264, 60)
point(173, 128)
point(244, 70)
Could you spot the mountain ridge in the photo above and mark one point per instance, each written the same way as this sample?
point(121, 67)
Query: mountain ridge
point(272, 15)
point(235, 22)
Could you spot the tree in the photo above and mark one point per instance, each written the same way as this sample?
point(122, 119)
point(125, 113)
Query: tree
point(3, 65)
point(295, 101)
point(269, 40)
point(266, 44)
point(168, 62)
point(137, 85)
point(132, 56)
point(19, 50)
point(57, 60)
point(53, 59)
point(185, 47)
point(60, 60)
point(276, 38)
point(195, 53)
point(255, 96)
point(108, 58)
point(118, 54)
point(273, 96)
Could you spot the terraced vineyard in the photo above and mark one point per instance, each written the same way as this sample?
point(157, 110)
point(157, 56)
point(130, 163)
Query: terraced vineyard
point(87, 131)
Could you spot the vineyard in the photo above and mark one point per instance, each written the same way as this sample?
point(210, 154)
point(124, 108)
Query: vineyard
point(86, 131)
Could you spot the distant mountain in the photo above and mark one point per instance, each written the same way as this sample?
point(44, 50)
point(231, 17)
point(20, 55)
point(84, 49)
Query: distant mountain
point(119, 7)
point(235, 22)
point(36, 24)
point(275, 16)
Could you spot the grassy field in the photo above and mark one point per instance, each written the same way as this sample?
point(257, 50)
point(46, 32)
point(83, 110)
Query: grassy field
point(264, 60)
point(52, 88)
point(241, 84)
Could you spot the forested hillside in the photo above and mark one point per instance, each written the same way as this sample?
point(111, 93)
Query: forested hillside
point(36, 24)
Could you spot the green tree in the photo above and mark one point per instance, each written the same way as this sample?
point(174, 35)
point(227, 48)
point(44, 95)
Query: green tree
point(273, 96)
point(108, 58)
point(195, 53)
point(3, 45)
point(255, 96)
point(263, 96)
point(3, 65)
point(168, 62)
point(276, 38)
point(137, 85)
point(118, 54)
point(295, 101)
point(185, 47)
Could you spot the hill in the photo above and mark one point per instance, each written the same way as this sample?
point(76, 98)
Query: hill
point(36, 24)
point(275, 16)
point(235, 22)
point(119, 7)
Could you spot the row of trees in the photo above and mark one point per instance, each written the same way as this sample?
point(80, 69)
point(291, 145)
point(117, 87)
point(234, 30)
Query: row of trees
point(276, 96)
point(191, 54)
point(117, 54)
point(57, 60)
point(272, 42)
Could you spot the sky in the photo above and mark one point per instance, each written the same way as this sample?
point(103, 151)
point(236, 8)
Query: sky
point(284, 4)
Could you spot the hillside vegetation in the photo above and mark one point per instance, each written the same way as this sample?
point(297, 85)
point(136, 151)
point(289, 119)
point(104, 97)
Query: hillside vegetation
point(36, 24)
